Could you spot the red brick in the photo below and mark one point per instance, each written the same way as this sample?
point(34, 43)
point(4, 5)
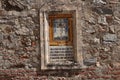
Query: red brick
point(116, 72)
point(2, 12)
point(106, 77)
point(116, 77)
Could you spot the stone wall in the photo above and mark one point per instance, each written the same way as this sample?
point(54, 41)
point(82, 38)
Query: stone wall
point(19, 40)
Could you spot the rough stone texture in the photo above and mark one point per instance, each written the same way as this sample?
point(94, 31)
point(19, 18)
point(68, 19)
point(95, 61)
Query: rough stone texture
point(19, 40)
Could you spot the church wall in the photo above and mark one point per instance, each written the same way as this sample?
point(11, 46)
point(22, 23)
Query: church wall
point(98, 39)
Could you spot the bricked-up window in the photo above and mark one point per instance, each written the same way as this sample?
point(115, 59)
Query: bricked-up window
point(58, 40)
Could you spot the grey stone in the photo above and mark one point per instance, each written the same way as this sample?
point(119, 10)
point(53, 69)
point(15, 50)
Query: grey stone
point(3, 21)
point(11, 45)
point(11, 52)
point(13, 5)
point(112, 28)
point(6, 64)
point(92, 20)
point(90, 30)
point(102, 20)
point(1, 57)
point(99, 2)
point(1, 36)
point(118, 34)
point(91, 61)
point(6, 21)
point(27, 66)
point(110, 37)
point(4, 43)
point(96, 40)
point(103, 10)
point(51, 78)
point(23, 31)
point(33, 12)
point(15, 13)
point(17, 23)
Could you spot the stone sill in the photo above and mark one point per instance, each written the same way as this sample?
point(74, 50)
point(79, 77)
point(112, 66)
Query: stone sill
point(64, 67)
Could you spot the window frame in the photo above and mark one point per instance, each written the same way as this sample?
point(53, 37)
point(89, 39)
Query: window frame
point(44, 40)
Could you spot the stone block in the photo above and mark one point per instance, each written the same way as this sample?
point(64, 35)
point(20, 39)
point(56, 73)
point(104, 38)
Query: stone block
point(91, 30)
point(1, 36)
point(103, 10)
point(1, 12)
point(102, 20)
point(99, 2)
point(96, 40)
point(92, 20)
point(110, 37)
point(1, 57)
point(91, 61)
point(112, 29)
point(23, 31)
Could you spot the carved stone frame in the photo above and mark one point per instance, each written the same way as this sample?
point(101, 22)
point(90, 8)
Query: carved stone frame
point(44, 40)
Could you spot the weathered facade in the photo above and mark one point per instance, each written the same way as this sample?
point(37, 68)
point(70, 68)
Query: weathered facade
point(25, 40)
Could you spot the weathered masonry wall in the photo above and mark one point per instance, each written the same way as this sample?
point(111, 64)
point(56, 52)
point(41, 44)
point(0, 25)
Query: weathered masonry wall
point(20, 39)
